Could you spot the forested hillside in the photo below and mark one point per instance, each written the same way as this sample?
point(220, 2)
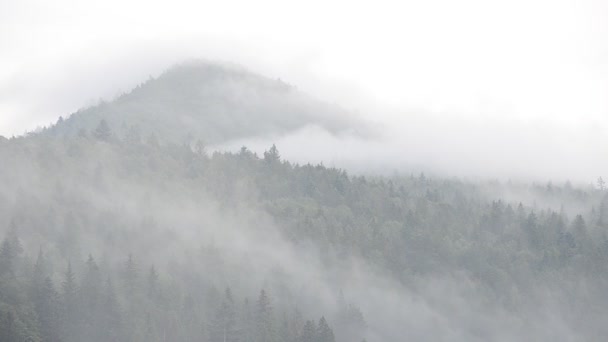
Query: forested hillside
point(110, 237)
point(214, 102)
point(118, 224)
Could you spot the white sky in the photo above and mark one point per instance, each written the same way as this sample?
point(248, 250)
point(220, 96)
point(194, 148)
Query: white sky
point(532, 62)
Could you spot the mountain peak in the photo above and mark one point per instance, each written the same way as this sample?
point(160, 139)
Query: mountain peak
point(215, 102)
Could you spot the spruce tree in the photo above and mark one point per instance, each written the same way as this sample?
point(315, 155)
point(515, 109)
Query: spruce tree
point(111, 321)
point(324, 332)
point(130, 275)
point(69, 305)
point(89, 297)
point(152, 283)
point(47, 311)
point(8, 328)
point(7, 256)
point(247, 327)
point(309, 332)
point(223, 325)
point(264, 319)
point(272, 155)
point(103, 132)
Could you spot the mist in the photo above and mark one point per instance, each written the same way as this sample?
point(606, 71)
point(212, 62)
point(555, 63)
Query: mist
point(303, 172)
point(463, 74)
point(208, 229)
point(451, 148)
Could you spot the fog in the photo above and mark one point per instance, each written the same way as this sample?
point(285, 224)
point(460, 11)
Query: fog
point(490, 149)
point(303, 172)
point(213, 228)
point(482, 71)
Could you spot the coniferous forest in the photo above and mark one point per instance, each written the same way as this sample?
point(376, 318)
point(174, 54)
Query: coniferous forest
point(114, 231)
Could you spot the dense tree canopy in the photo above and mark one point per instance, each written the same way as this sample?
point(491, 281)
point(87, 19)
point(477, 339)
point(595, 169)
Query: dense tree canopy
point(116, 237)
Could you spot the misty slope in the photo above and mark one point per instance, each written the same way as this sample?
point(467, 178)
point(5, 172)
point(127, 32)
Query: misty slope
point(424, 259)
point(212, 102)
point(164, 242)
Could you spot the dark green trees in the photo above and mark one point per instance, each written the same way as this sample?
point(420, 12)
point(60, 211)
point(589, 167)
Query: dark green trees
point(324, 332)
point(102, 131)
point(131, 275)
point(309, 332)
point(316, 333)
point(47, 308)
point(272, 155)
point(8, 327)
point(6, 258)
point(223, 326)
point(68, 306)
point(265, 329)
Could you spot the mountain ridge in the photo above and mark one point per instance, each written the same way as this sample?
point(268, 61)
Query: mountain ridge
point(213, 102)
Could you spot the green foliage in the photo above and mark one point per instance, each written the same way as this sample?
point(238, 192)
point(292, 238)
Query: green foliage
point(102, 132)
point(77, 196)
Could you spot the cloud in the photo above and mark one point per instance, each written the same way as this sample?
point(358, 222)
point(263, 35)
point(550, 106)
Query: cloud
point(498, 79)
point(487, 148)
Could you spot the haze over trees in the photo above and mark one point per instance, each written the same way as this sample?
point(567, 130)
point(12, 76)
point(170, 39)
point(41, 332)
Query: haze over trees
point(118, 225)
point(212, 102)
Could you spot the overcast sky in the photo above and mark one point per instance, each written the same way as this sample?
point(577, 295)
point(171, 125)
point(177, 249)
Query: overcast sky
point(525, 63)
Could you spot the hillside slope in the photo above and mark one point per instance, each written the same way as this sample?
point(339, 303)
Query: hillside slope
point(212, 102)
point(110, 238)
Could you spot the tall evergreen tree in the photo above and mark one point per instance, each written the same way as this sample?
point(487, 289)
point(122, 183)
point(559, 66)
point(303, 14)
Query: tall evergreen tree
point(264, 319)
point(69, 306)
point(7, 256)
point(247, 329)
point(152, 283)
point(272, 155)
point(47, 311)
point(223, 326)
point(324, 332)
point(130, 275)
point(8, 327)
point(89, 297)
point(309, 332)
point(102, 131)
point(111, 319)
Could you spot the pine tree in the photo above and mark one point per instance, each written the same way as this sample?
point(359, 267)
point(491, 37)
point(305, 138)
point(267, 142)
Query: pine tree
point(111, 321)
point(9, 250)
point(89, 295)
point(223, 326)
point(350, 321)
point(7, 256)
point(284, 333)
point(13, 238)
point(324, 332)
point(272, 155)
point(103, 132)
point(264, 320)
point(130, 275)
point(38, 275)
point(152, 283)
point(581, 235)
point(47, 309)
point(8, 329)
point(246, 323)
point(309, 332)
point(296, 324)
point(69, 305)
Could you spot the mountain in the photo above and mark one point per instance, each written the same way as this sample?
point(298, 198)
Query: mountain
point(110, 238)
point(212, 102)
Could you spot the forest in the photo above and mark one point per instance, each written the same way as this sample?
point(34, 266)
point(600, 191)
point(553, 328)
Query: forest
point(112, 234)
